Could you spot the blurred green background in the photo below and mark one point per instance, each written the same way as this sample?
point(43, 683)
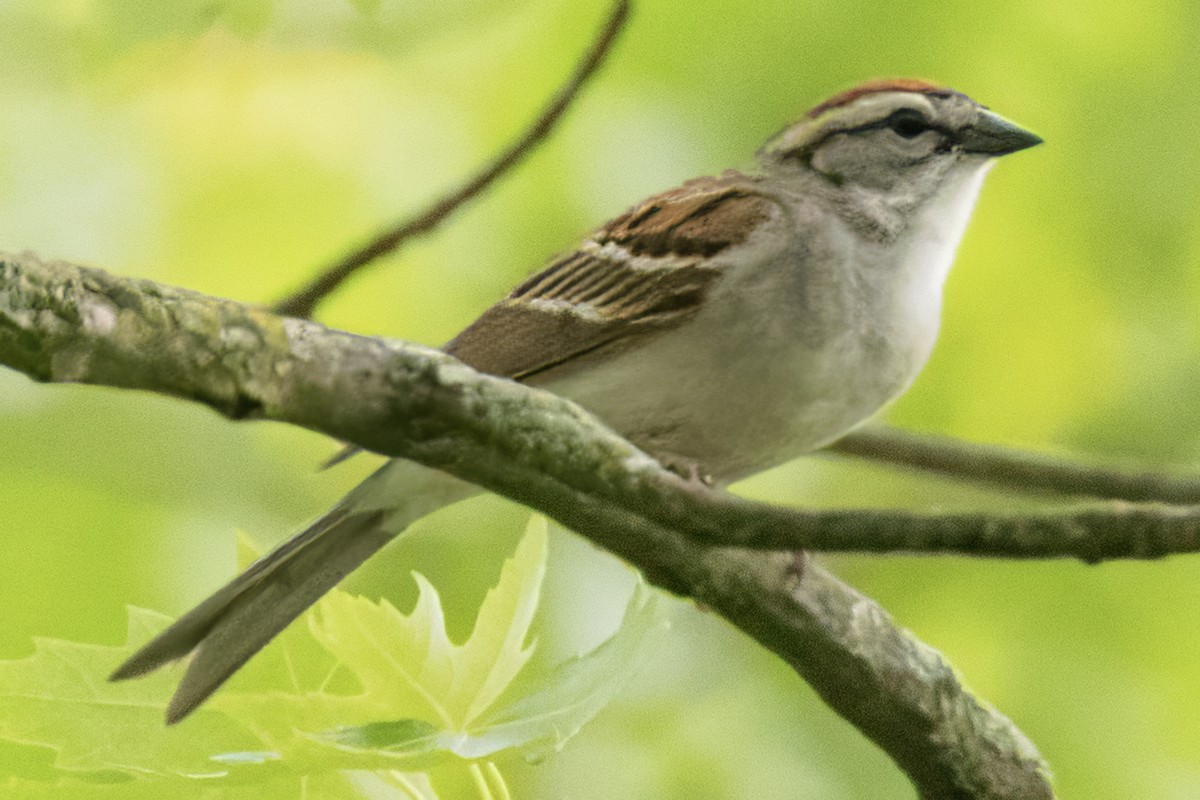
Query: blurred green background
point(235, 147)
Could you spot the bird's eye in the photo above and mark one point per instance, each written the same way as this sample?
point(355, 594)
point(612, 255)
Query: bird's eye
point(908, 123)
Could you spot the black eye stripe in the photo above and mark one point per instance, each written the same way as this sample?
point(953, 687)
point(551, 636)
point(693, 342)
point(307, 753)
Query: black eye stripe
point(906, 122)
point(949, 137)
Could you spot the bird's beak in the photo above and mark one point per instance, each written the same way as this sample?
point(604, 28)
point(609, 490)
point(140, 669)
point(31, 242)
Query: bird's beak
point(993, 135)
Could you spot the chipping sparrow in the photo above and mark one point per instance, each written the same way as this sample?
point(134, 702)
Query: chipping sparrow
point(730, 324)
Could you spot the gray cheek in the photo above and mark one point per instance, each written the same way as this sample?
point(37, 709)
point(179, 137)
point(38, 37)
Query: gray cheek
point(866, 159)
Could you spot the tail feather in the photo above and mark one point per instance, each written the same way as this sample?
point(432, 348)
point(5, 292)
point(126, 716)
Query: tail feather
point(242, 617)
point(189, 630)
point(254, 618)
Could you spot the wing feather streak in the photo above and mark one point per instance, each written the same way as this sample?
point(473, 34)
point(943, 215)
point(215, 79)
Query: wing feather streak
point(646, 271)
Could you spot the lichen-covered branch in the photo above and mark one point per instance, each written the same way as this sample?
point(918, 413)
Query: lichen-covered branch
point(59, 322)
point(1005, 468)
point(899, 691)
point(64, 323)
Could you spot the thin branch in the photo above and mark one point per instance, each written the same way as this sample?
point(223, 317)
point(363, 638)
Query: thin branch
point(64, 323)
point(1014, 469)
point(304, 301)
point(1091, 533)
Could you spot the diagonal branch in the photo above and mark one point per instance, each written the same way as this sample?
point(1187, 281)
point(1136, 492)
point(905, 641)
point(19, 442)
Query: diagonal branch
point(1014, 469)
point(59, 322)
point(424, 405)
point(899, 691)
point(304, 301)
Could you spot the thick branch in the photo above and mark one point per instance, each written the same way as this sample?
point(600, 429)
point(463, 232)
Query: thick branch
point(1014, 469)
point(523, 443)
point(900, 692)
point(64, 323)
point(304, 301)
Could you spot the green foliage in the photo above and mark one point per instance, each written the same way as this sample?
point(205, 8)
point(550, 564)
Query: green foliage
point(59, 698)
point(139, 139)
point(146, 19)
point(409, 698)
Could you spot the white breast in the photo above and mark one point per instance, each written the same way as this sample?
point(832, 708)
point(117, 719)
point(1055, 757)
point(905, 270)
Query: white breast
point(805, 338)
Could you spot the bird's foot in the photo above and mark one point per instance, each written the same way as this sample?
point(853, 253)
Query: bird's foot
point(799, 565)
point(690, 471)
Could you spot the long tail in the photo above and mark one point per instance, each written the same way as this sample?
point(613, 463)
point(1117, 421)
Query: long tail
point(240, 618)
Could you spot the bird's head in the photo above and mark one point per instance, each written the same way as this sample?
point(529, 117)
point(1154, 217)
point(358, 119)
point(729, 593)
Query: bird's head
point(900, 136)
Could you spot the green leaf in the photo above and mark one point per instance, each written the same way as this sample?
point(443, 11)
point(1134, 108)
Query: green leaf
point(546, 711)
point(60, 698)
point(407, 665)
point(403, 663)
point(539, 713)
point(491, 658)
point(370, 691)
point(404, 735)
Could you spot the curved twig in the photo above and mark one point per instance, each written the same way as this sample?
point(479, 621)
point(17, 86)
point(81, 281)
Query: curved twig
point(303, 302)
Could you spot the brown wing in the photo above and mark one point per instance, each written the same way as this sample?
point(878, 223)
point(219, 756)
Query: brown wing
point(644, 271)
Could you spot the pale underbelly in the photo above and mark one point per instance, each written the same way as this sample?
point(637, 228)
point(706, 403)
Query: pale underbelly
point(733, 415)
